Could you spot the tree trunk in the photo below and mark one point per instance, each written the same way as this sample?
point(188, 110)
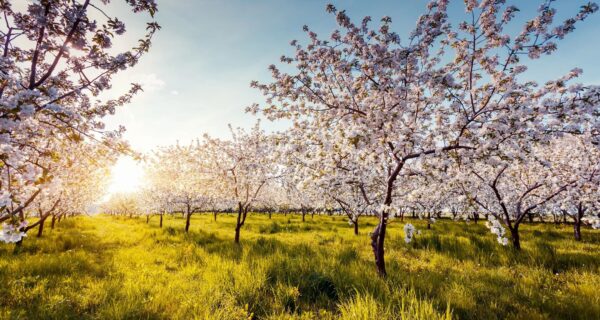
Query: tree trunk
point(530, 217)
point(270, 213)
point(187, 221)
point(238, 224)
point(303, 214)
point(428, 221)
point(355, 227)
point(475, 217)
point(237, 234)
point(53, 221)
point(161, 218)
point(215, 216)
point(59, 217)
point(577, 224)
point(377, 242)
point(147, 218)
point(41, 227)
point(514, 233)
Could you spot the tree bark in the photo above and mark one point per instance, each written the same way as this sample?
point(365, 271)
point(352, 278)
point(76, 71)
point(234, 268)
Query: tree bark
point(577, 224)
point(303, 214)
point(514, 233)
point(161, 219)
point(53, 221)
point(377, 242)
point(239, 223)
point(428, 220)
point(147, 218)
point(187, 221)
point(355, 227)
point(237, 234)
point(41, 227)
point(215, 215)
point(530, 217)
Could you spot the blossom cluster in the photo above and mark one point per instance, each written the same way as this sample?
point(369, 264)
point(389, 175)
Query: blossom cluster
point(12, 233)
point(496, 228)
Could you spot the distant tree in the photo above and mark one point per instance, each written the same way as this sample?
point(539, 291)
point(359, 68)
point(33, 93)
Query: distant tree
point(179, 176)
point(242, 167)
point(122, 204)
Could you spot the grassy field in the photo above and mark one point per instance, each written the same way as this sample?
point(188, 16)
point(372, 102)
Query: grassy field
point(117, 268)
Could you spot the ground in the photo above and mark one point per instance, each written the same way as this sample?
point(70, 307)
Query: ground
point(117, 268)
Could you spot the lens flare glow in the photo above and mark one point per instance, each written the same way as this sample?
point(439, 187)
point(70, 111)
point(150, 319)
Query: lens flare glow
point(126, 176)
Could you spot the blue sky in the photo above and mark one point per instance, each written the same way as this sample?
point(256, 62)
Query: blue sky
point(198, 72)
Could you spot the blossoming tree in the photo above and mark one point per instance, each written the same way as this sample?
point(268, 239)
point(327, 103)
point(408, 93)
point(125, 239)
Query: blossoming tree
point(242, 167)
point(56, 59)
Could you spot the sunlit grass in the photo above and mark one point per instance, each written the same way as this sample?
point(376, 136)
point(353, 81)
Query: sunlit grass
point(117, 268)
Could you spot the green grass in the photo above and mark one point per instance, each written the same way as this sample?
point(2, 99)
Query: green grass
point(117, 268)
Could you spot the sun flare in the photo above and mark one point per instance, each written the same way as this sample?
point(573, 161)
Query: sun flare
point(126, 176)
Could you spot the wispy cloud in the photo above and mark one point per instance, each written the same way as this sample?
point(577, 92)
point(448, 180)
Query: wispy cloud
point(150, 82)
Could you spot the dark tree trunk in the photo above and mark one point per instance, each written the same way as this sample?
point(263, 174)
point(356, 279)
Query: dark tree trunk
point(161, 219)
point(530, 217)
point(241, 218)
point(303, 215)
point(215, 216)
point(475, 217)
point(312, 215)
point(53, 221)
point(355, 227)
point(270, 214)
point(428, 220)
point(377, 242)
point(514, 233)
point(187, 221)
point(237, 234)
point(41, 227)
point(577, 224)
point(59, 217)
point(147, 218)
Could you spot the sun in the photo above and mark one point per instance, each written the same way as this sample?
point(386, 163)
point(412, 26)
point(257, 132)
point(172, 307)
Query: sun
point(126, 176)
